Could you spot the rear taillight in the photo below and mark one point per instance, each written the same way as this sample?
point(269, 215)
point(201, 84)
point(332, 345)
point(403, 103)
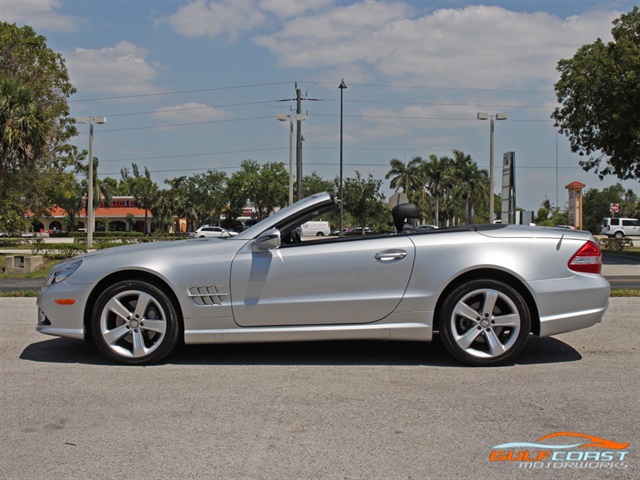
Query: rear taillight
point(588, 259)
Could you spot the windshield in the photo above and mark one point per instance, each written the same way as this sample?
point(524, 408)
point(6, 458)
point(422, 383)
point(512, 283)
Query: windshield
point(318, 200)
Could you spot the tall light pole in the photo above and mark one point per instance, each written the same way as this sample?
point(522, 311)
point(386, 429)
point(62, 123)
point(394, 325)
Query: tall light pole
point(492, 117)
point(90, 220)
point(342, 86)
point(283, 117)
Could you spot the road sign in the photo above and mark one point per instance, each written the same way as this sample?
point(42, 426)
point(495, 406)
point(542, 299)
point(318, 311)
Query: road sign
point(396, 199)
point(614, 207)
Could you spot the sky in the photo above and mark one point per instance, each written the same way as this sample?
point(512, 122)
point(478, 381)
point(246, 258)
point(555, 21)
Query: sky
point(188, 86)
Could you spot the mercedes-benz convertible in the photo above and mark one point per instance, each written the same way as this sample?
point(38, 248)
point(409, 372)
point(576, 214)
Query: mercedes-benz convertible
point(484, 289)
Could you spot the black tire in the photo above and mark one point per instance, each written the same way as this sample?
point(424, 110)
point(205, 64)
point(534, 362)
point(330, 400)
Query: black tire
point(485, 322)
point(133, 334)
point(619, 235)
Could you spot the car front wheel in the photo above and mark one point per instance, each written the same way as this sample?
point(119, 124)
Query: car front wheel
point(135, 323)
point(485, 322)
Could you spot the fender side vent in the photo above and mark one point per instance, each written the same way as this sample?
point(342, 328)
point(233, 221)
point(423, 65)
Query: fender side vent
point(207, 295)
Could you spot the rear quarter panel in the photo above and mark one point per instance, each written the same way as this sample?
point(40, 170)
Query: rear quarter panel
point(538, 259)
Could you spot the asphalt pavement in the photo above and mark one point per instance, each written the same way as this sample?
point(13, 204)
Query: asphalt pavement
point(325, 410)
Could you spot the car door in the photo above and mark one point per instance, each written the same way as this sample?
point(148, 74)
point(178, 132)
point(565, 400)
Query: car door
point(321, 282)
point(631, 227)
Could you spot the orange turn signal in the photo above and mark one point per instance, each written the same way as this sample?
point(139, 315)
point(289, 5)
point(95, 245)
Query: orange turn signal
point(65, 301)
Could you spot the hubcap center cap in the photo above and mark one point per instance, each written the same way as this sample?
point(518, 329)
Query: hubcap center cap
point(134, 323)
point(485, 322)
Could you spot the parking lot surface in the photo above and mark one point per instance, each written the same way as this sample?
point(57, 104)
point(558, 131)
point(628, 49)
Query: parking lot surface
point(338, 410)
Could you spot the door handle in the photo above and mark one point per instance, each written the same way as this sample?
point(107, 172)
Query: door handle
point(390, 255)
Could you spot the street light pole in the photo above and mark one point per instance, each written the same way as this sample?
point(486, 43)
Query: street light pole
point(491, 117)
point(89, 209)
point(342, 86)
point(283, 117)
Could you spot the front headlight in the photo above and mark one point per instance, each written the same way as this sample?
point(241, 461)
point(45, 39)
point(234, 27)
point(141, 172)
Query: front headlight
point(60, 272)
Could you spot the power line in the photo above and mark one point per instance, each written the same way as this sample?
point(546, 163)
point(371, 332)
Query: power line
point(177, 92)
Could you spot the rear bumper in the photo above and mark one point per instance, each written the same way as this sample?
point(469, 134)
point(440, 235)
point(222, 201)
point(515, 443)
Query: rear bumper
point(571, 304)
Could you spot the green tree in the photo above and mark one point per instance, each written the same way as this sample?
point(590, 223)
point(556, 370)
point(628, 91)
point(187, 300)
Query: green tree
point(364, 201)
point(469, 182)
point(68, 196)
point(599, 89)
point(314, 183)
point(178, 195)
point(23, 129)
point(205, 196)
point(596, 205)
point(438, 176)
point(266, 186)
point(34, 117)
point(161, 210)
point(143, 190)
point(405, 176)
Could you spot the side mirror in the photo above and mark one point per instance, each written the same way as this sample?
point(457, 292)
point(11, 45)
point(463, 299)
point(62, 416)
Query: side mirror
point(268, 240)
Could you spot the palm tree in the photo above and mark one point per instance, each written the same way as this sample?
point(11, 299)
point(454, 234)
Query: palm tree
point(102, 191)
point(405, 176)
point(470, 182)
point(23, 127)
point(437, 174)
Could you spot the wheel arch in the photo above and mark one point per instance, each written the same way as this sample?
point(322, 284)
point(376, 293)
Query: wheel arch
point(492, 274)
point(115, 277)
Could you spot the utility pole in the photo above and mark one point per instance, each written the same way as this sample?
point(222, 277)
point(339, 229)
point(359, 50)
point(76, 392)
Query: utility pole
point(299, 142)
point(299, 118)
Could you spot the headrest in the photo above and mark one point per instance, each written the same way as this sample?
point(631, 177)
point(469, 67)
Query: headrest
point(404, 211)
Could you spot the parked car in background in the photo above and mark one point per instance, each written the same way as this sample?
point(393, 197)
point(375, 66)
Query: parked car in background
point(316, 229)
point(484, 289)
point(358, 231)
point(207, 231)
point(620, 227)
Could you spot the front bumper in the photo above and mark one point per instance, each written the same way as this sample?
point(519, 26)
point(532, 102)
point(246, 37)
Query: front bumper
point(57, 315)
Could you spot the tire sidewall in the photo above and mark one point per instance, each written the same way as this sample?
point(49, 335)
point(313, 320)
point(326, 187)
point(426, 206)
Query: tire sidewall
point(448, 336)
point(172, 332)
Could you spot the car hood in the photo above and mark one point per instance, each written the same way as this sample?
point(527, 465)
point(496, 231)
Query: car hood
point(151, 257)
point(156, 247)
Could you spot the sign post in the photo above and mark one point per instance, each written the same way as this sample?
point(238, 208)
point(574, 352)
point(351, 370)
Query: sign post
point(575, 204)
point(614, 208)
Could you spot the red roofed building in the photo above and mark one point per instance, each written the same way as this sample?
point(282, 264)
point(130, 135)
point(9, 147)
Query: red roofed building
point(121, 215)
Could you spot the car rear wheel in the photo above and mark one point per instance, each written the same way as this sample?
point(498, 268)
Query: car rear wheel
point(135, 323)
point(485, 322)
point(619, 235)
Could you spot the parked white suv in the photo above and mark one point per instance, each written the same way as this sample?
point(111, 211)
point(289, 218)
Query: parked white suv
point(213, 232)
point(620, 227)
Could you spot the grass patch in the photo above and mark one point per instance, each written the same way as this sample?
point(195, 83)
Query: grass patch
point(625, 292)
point(21, 294)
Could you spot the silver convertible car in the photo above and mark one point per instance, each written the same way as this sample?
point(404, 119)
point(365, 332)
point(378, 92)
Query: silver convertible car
point(484, 288)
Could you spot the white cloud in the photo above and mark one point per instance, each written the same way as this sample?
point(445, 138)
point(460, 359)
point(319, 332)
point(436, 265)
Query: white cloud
point(39, 15)
point(190, 112)
point(122, 69)
point(293, 8)
point(215, 19)
point(340, 36)
point(478, 46)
